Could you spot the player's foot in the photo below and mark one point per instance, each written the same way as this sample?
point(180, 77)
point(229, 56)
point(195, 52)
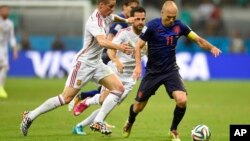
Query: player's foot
point(25, 124)
point(3, 93)
point(127, 129)
point(78, 130)
point(73, 103)
point(100, 127)
point(173, 135)
point(79, 108)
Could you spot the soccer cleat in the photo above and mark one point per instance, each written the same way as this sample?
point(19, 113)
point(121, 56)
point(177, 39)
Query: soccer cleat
point(173, 135)
point(73, 103)
point(109, 125)
point(100, 127)
point(79, 108)
point(78, 130)
point(26, 123)
point(127, 129)
point(3, 93)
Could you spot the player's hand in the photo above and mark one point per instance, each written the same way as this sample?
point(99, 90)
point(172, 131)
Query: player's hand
point(125, 48)
point(137, 72)
point(215, 51)
point(119, 66)
point(131, 20)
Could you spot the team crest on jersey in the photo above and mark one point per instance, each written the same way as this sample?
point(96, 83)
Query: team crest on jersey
point(177, 29)
point(144, 29)
point(78, 82)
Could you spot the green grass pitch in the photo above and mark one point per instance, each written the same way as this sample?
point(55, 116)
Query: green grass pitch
point(214, 103)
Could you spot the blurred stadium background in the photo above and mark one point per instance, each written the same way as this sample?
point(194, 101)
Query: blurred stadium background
point(219, 99)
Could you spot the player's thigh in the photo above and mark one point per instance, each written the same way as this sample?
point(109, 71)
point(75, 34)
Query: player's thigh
point(112, 82)
point(174, 84)
point(79, 75)
point(148, 87)
point(106, 77)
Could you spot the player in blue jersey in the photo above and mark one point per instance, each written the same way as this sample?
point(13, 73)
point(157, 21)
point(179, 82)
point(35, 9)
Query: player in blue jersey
point(127, 6)
point(162, 35)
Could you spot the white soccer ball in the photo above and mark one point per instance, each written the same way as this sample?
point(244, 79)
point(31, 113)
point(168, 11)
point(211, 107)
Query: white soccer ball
point(201, 132)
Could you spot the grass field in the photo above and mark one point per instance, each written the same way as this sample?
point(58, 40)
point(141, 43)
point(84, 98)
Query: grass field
point(214, 103)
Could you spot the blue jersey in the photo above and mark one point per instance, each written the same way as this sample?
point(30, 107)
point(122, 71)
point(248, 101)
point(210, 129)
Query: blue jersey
point(117, 26)
point(162, 43)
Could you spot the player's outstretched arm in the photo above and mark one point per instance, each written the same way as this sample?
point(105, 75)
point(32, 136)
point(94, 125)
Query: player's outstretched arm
point(117, 18)
point(103, 42)
point(204, 44)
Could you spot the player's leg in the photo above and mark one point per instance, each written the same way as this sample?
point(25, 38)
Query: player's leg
point(3, 75)
point(176, 90)
point(81, 96)
point(116, 88)
point(78, 129)
point(73, 84)
point(95, 100)
point(147, 88)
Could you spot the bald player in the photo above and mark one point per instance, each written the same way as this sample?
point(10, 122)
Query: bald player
point(162, 35)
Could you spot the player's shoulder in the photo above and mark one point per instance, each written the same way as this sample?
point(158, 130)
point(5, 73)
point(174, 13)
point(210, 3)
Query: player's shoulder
point(179, 22)
point(154, 22)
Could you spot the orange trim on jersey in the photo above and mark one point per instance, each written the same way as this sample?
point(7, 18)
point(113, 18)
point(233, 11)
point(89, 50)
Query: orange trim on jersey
point(127, 28)
point(74, 74)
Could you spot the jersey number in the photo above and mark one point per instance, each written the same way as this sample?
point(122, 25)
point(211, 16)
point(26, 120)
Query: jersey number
point(170, 40)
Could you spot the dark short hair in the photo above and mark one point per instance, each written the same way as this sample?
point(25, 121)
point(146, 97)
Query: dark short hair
point(137, 9)
point(127, 2)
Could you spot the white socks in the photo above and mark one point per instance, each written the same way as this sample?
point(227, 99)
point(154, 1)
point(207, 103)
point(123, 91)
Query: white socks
point(89, 119)
point(109, 103)
point(93, 100)
point(48, 105)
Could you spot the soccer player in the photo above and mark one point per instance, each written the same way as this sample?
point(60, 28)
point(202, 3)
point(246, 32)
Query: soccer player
point(121, 63)
point(127, 5)
point(162, 35)
point(87, 66)
point(6, 35)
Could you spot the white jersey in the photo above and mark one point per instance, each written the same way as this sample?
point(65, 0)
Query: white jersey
point(91, 51)
point(6, 35)
point(126, 35)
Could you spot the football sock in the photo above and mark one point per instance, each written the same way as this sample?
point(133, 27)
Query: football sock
point(132, 115)
point(178, 115)
point(93, 100)
point(89, 119)
point(83, 95)
point(108, 104)
point(48, 105)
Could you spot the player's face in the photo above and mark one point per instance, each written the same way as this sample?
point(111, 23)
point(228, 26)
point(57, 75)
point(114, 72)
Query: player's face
point(4, 11)
point(127, 9)
point(139, 21)
point(168, 17)
point(107, 9)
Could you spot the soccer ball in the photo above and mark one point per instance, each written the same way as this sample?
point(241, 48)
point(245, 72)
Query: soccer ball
point(201, 132)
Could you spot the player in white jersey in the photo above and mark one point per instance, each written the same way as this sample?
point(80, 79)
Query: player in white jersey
point(6, 35)
point(88, 66)
point(121, 63)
